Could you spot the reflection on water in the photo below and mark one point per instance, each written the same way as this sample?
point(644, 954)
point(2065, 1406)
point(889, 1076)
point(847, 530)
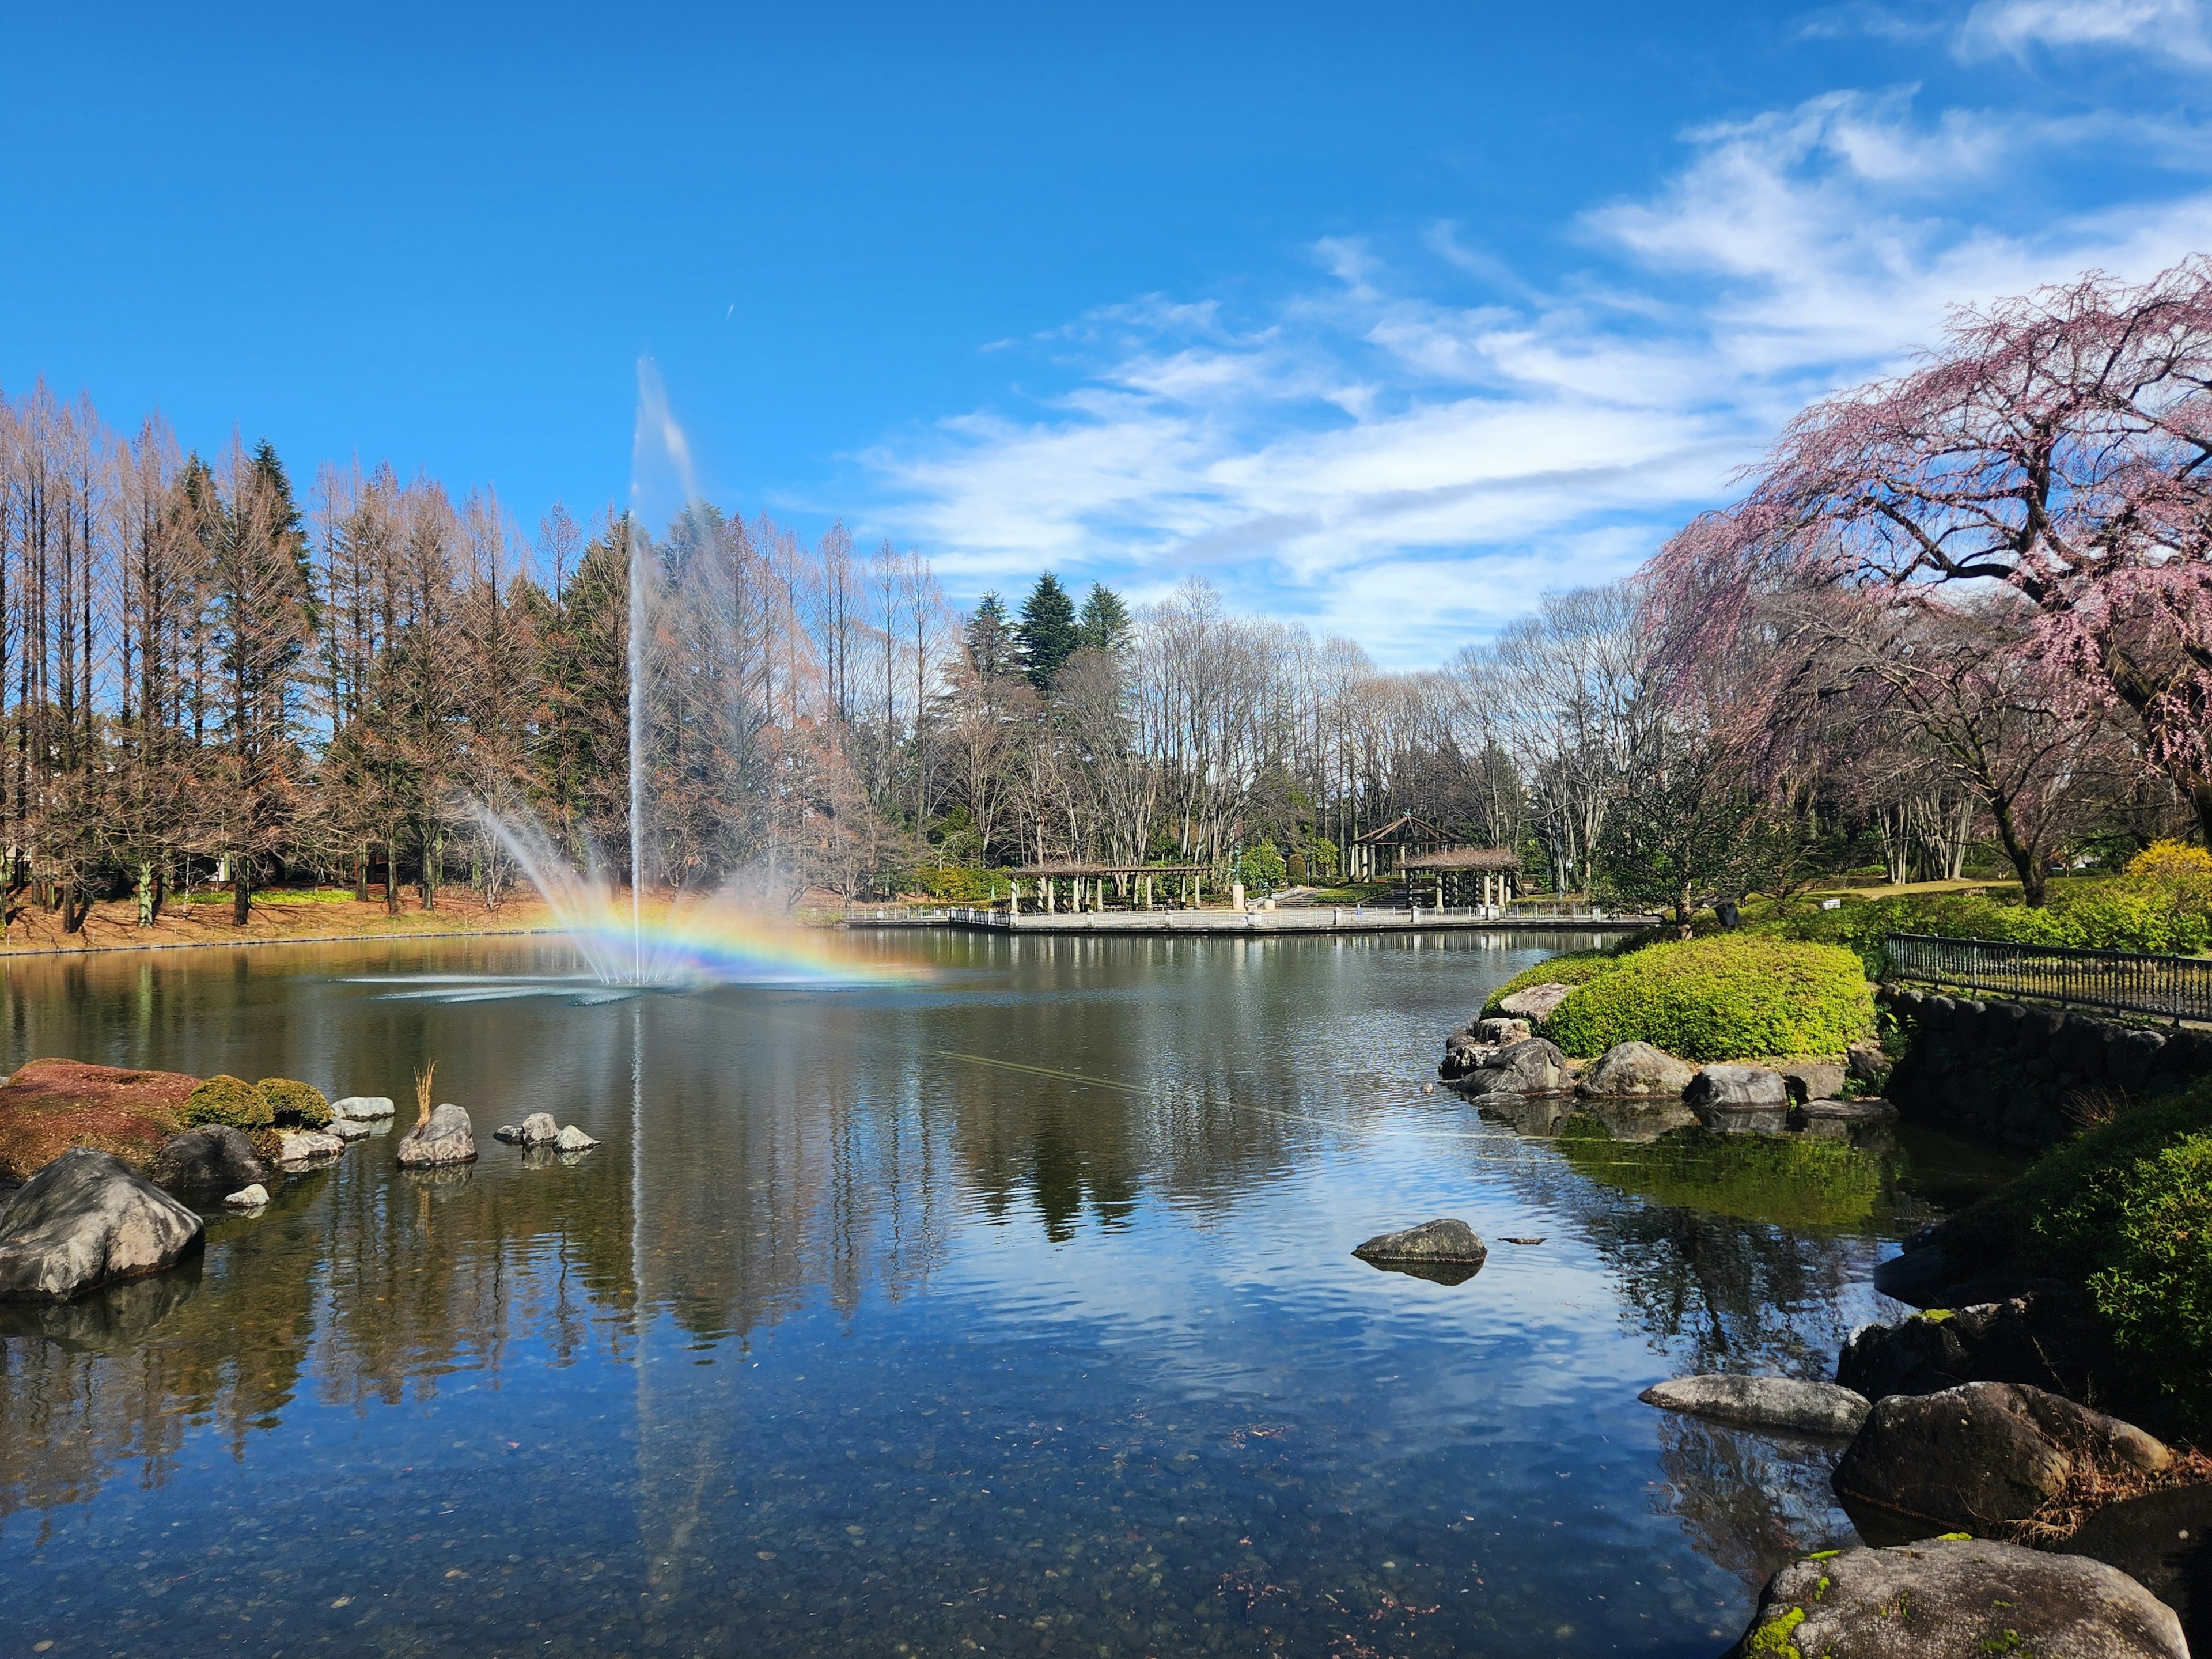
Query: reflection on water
point(1010, 1308)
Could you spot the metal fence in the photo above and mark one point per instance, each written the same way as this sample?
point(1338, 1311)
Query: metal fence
point(2175, 987)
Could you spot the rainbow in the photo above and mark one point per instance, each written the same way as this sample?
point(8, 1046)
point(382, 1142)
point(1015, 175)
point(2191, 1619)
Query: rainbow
point(717, 942)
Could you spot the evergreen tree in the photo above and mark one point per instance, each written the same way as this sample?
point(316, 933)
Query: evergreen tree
point(1047, 634)
point(1105, 624)
point(990, 642)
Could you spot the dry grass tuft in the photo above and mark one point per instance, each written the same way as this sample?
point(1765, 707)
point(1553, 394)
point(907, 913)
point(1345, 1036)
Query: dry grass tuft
point(422, 1079)
point(2091, 1489)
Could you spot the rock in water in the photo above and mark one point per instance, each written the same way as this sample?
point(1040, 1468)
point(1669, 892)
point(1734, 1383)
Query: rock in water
point(1501, 1032)
point(1432, 1240)
point(1813, 1079)
point(1536, 1002)
point(1958, 1599)
point(297, 1147)
point(349, 1129)
point(248, 1198)
point(85, 1221)
point(446, 1138)
point(507, 1132)
point(539, 1129)
point(1780, 1403)
point(573, 1140)
point(1738, 1088)
point(1920, 1276)
point(1535, 1066)
point(362, 1109)
point(1985, 1453)
point(1636, 1068)
point(212, 1158)
point(2048, 1340)
point(2163, 1541)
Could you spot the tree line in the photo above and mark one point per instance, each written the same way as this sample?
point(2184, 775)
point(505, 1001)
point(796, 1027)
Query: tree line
point(1961, 615)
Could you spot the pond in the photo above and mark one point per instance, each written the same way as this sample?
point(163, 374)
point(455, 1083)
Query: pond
point(1007, 1308)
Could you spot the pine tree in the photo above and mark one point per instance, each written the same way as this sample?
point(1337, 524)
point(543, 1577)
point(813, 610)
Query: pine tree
point(1105, 624)
point(1047, 634)
point(990, 643)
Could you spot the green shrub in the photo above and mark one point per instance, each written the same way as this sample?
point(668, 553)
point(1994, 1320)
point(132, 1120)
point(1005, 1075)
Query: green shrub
point(229, 1100)
point(1726, 998)
point(294, 1105)
point(1576, 968)
point(2155, 1287)
point(957, 884)
point(1785, 1181)
point(1261, 869)
point(2120, 912)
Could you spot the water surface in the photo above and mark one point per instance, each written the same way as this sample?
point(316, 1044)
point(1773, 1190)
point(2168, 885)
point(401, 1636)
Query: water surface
point(1010, 1311)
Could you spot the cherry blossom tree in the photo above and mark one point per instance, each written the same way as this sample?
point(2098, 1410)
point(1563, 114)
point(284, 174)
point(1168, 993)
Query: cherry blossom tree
point(2059, 445)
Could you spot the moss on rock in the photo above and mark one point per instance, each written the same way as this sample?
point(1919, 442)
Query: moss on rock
point(229, 1100)
point(294, 1105)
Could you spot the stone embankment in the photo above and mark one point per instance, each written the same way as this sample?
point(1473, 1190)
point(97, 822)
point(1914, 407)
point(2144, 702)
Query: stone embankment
point(2027, 1073)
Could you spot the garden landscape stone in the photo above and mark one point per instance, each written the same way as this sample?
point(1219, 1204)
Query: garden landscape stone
point(248, 1198)
point(444, 1137)
point(362, 1109)
point(1986, 1454)
point(86, 1220)
point(297, 1148)
point(573, 1140)
point(1636, 1068)
point(1535, 1066)
point(49, 1106)
point(1813, 1079)
point(1536, 1002)
point(2163, 1541)
point(1445, 1240)
point(349, 1129)
point(1500, 1032)
point(213, 1157)
point(1962, 1598)
point(1784, 1404)
point(2048, 1339)
point(539, 1129)
point(1737, 1088)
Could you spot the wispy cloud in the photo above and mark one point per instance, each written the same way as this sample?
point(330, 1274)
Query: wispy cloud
point(1409, 449)
point(2171, 28)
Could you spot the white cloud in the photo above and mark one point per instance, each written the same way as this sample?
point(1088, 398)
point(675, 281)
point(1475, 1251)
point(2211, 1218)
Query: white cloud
point(2173, 29)
point(1412, 470)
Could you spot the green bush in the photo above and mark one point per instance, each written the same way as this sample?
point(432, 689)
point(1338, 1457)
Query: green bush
point(1785, 1181)
point(957, 884)
point(1576, 968)
point(1261, 869)
point(1727, 998)
point(2120, 912)
point(294, 1105)
point(229, 1100)
point(2124, 1208)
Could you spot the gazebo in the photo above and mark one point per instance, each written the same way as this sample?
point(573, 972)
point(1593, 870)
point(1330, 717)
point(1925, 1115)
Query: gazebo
point(1458, 868)
point(1088, 881)
point(1405, 837)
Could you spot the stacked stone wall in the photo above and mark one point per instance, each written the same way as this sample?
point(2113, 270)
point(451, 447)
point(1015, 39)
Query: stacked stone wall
point(2024, 1073)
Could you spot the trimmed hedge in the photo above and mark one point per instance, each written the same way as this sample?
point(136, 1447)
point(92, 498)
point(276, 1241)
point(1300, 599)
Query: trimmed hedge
point(1727, 998)
point(1576, 967)
point(294, 1105)
point(229, 1100)
point(2123, 913)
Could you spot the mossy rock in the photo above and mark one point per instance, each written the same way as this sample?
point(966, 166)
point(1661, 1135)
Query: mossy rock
point(1727, 998)
point(229, 1100)
point(294, 1105)
point(51, 1105)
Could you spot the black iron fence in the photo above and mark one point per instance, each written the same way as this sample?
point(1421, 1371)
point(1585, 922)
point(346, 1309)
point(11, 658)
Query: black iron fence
point(2175, 987)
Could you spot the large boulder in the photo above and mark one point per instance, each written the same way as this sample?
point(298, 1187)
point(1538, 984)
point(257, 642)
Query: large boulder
point(1737, 1088)
point(1962, 1598)
point(211, 1159)
point(1781, 1404)
point(1535, 1066)
point(86, 1220)
point(1986, 1454)
point(1635, 1069)
point(444, 1137)
point(2049, 1340)
point(540, 1129)
point(51, 1105)
point(1535, 1002)
point(1813, 1079)
point(1463, 1053)
point(1444, 1240)
point(2163, 1541)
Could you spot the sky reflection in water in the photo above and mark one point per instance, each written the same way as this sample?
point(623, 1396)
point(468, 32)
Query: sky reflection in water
point(1009, 1310)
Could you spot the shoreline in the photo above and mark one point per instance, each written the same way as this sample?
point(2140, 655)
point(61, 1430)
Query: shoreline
point(10, 951)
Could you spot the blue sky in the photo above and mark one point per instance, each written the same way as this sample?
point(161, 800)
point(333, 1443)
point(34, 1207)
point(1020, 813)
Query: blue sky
point(1386, 319)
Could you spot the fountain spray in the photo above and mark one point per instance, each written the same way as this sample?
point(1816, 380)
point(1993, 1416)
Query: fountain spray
point(637, 753)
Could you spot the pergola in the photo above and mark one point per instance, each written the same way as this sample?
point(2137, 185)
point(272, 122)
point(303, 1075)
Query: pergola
point(1406, 835)
point(1496, 867)
point(1089, 881)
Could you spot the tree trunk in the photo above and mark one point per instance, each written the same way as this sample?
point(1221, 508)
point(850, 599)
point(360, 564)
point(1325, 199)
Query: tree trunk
point(242, 889)
point(360, 875)
point(2026, 860)
point(2200, 797)
point(76, 905)
point(391, 877)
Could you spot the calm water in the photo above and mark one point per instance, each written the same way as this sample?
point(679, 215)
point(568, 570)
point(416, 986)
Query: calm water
point(1011, 1312)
